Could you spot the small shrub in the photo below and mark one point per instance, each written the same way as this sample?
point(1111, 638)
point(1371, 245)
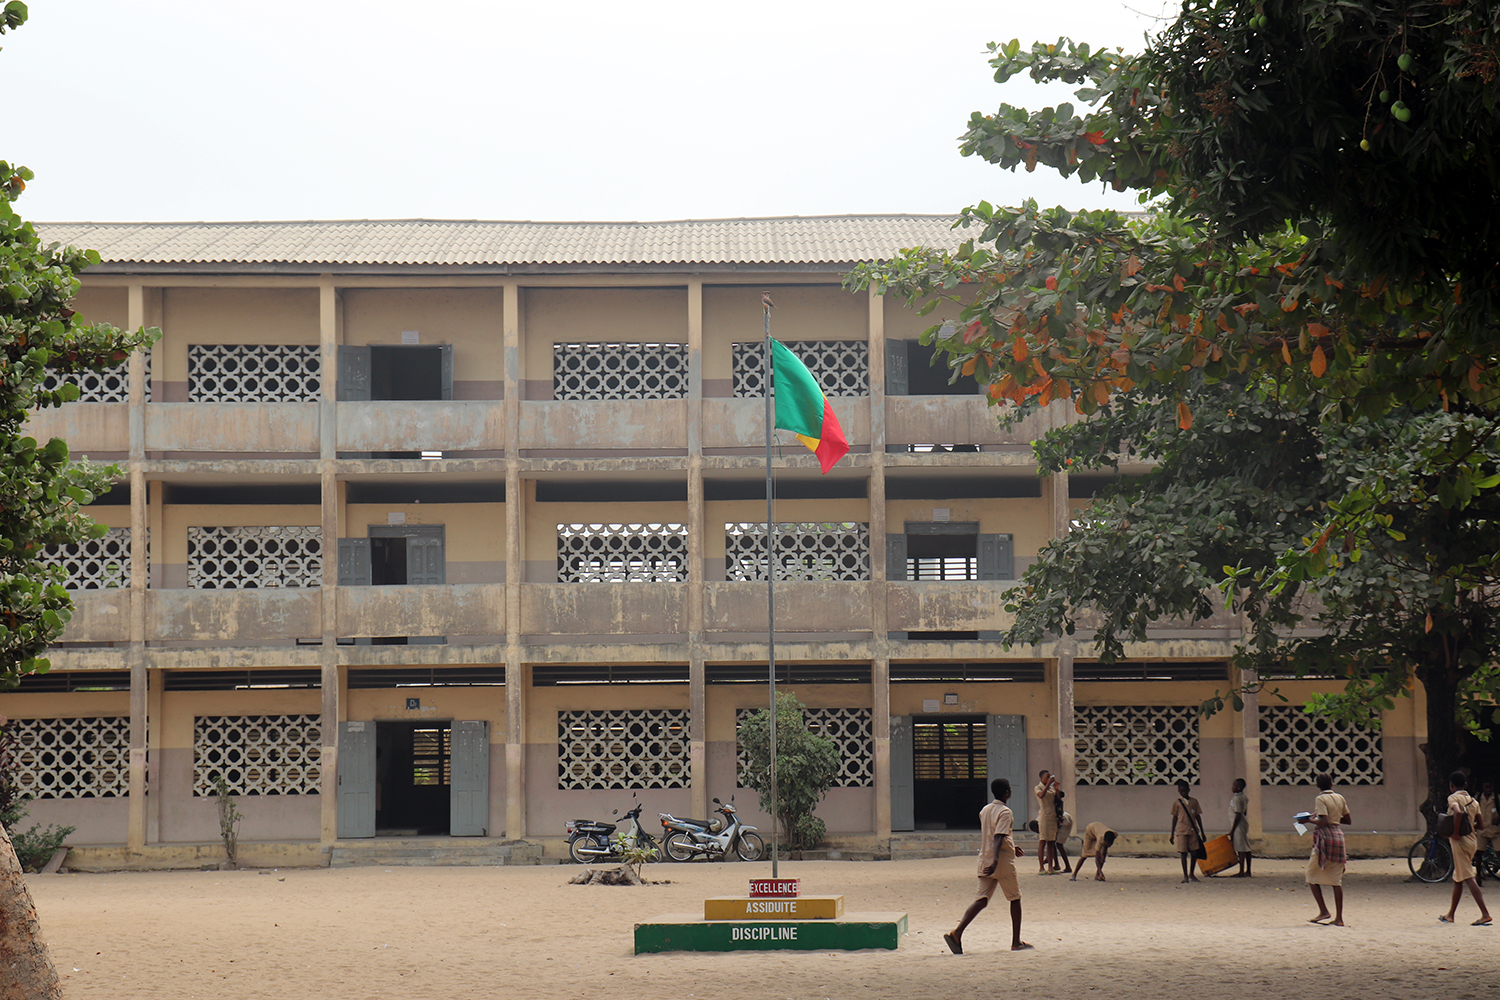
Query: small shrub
point(35, 847)
point(229, 820)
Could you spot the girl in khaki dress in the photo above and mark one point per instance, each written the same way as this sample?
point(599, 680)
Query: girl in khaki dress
point(1461, 803)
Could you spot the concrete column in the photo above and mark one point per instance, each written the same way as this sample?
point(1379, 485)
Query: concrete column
point(332, 707)
point(697, 526)
point(1250, 749)
point(139, 577)
point(880, 661)
point(517, 673)
point(1067, 766)
point(154, 688)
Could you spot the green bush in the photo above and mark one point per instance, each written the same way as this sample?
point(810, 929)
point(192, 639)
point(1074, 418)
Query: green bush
point(806, 767)
point(35, 847)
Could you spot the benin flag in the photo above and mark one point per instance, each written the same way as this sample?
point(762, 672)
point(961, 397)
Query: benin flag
point(801, 408)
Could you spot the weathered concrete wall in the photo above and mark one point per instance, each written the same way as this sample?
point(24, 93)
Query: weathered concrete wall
point(800, 607)
point(421, 425)
point(102, 304)
point(232, 427)
point(99, 820)
point(89, 428)
point(644, 424)
point(99, 616)
point(957, 420)
point(457, 609)
point(732, 314)
point(234, 615)
point(562, 609)
point(942, 607)
point(741, 423)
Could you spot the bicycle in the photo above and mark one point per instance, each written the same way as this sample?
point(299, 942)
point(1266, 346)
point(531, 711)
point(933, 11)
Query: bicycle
point(1431, 859)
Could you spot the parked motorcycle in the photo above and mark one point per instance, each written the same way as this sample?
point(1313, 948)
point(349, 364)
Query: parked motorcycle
point(692, 838)
point(590, 840)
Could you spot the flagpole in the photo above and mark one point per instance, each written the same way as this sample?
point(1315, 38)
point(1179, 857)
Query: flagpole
point(769, 383)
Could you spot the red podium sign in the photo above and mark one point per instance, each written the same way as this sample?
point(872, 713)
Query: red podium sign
point(783, 888)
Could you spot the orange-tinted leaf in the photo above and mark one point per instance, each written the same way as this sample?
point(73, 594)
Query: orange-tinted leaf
point(972, 331)
point(1319, 362)
point(1474, 373)
point(1097, 138)
point(970, 365)
point(1184, 417)
point(1428, 627)
point(1179, 282)
point(1046, 394)
point(1101, 393)
point(1132, 266)
point(1286, 353)
point(1317, 330)
point(1288, 304)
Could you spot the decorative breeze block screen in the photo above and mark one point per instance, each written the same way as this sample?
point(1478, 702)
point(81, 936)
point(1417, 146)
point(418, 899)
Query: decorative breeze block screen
point(619, 371)
point(622, 553)
point(73, 758)
point(804, 551)
point(112, 385)
point(254, 373)
point(258, 754)
point(95, 563)
point(1136, 744)
point(623, 748)
point(249, 558)
point(850, 728)
point(1295, 747)
point(841, 367)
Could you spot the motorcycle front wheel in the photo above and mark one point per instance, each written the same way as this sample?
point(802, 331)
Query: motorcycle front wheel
point(583, 849)
point(749, 847)
point(680, 847)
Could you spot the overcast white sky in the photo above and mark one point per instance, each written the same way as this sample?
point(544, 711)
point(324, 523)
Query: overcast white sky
point(167, 110)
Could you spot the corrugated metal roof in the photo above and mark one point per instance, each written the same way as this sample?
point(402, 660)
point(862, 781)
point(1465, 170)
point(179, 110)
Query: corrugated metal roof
point(795, 240)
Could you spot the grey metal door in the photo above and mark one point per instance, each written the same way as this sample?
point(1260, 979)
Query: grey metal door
point(426, 562)
point(1005, 757)
point(469, 793)
point(356, 779)
point(903, 801)
point(354, 372)
point(354, 562)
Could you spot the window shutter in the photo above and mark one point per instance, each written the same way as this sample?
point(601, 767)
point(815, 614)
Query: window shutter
point(447, 356)
point(895, 557)
point(996, 559)
point(354, 372)
point(896, 368)
point(354, 562)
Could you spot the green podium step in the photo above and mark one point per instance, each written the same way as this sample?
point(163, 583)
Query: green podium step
point(851, 932)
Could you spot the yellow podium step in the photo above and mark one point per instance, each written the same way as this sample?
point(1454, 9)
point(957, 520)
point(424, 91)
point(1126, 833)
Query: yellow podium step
point(748, 908)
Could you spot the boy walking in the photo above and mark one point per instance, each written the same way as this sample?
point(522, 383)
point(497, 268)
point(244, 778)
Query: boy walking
point(997, 868)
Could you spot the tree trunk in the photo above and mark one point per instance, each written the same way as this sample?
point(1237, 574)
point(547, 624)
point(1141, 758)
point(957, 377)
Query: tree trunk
point(1441, 749)
point(26, 971)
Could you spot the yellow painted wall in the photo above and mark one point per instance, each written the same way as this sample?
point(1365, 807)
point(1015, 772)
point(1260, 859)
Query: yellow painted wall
point(472, 532)
point(725, 700)
point(733, 314)
point(468, 318)
point(1027, 519)
point(722, 512)
point(465, 704)
point(547, 701)
point(73, 705)
point(543, 519)
point(180, 708)
point(177, 518)
point(902, 323)
point(103, 305)
point(231, 316)
point(599, 315)
point(110, 515)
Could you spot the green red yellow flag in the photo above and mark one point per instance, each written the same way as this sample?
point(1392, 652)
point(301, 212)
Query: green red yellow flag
point(802, 408)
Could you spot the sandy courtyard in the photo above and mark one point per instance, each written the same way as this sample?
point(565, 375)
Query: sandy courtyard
point(523, 932)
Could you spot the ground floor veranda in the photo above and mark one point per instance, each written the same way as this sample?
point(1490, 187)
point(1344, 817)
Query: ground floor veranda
point(479, 751)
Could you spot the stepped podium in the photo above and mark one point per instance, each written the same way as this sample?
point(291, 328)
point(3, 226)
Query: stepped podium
point(774, 916)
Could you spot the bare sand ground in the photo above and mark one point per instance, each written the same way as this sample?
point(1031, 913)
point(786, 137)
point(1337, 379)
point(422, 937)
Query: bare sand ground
point(416, 933)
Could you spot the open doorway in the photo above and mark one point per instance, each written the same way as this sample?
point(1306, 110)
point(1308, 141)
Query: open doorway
point(413, 778)
point(949, 772)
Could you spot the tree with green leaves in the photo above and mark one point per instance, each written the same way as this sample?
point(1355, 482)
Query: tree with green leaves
point(1325, 241)
point(43, 492)
point(806, 767)
point(1223, 503)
